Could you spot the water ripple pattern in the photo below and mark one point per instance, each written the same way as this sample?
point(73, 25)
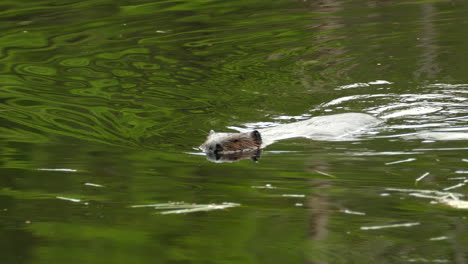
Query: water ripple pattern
point(439, 112)
point(119, 74)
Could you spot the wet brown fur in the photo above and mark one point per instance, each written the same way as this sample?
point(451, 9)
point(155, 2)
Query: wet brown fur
point(240, 142)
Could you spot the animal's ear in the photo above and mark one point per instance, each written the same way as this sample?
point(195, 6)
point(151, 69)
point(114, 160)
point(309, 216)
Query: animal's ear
point(212, 132)
point(257, 138)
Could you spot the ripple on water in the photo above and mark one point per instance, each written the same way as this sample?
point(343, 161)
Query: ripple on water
point(26, 40)
point(424, 115)
point(146, 66)
point(82, 72)
point(35, 69)
point(76, 84)
point(75, 62)
point(120, 54)
point(38, 80)
point(125, 73)
point(111, 64)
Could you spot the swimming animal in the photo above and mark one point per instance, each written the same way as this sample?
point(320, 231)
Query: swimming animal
point(222, 147)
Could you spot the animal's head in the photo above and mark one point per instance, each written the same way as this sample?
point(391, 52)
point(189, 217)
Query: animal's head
point(229, 143)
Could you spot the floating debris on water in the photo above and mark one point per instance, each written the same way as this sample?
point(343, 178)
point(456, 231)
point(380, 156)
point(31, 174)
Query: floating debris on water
point(455, 203)
point(266, 186)
point(457, 178)
point(435, 192)
point(454, 186)
point(59, 169)
point(390, 226)
point(156, 205)
point(425, 260)
point(422, 177)
point(380, 82)
point(184, 208)
point(440, 149)
point(75, 200)
point(346, 211)
point(438, 238)
point(451, 199)
point(325, 174)
point(400, 161)
point(93, 184)
point(294, 195)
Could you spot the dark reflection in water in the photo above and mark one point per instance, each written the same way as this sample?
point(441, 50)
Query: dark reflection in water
point(103, 102)
point(253, 155)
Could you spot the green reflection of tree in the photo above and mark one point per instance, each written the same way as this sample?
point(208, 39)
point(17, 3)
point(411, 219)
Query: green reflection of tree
point(118, 90)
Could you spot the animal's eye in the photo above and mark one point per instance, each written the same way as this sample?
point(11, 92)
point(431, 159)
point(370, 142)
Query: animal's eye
point(235, 140)
point(218, 149)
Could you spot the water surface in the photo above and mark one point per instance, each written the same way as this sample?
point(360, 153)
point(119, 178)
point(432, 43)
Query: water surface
point(104, 103)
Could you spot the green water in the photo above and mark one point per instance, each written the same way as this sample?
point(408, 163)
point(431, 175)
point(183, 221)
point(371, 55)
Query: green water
point(104, 103)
